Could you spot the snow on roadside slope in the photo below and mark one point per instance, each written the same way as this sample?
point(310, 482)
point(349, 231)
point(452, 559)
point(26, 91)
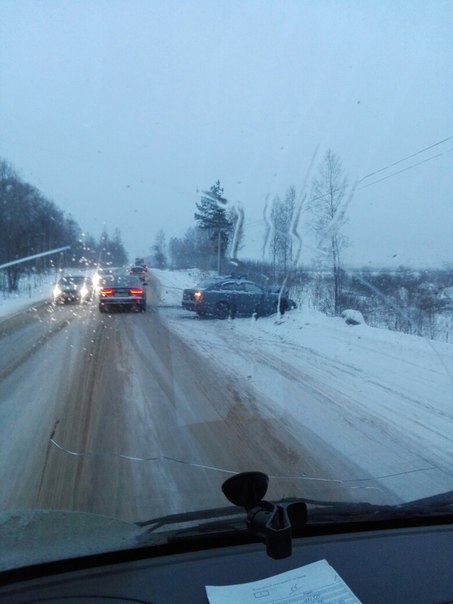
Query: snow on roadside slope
point(31, 291)
point(372, 349)
point(382, 398)
point(172, 283)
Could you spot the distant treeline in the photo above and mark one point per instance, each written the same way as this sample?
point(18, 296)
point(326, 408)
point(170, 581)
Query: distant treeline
point(31, 224)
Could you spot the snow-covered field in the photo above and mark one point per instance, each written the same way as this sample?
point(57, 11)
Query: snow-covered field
point(417, 366)
point(389, 395)
point(31, 291)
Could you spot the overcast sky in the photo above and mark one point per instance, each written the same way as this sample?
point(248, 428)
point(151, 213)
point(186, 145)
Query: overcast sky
point(120, 110)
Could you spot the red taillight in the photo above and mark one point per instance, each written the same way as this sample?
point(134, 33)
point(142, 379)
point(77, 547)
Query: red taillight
point(107, 291)
point(135, 291)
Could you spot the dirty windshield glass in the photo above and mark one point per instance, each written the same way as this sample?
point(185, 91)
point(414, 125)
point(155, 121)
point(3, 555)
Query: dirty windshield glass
point(299, 154)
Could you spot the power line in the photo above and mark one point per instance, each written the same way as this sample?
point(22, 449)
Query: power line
point(256, 222)
point(406, 158)
point(403, 170)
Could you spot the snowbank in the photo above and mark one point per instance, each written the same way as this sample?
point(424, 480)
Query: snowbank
point(172, 283)
point(31, 291)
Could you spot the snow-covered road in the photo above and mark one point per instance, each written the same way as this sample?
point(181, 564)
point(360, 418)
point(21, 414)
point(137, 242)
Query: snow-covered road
point(380, 399)
point(169, 405)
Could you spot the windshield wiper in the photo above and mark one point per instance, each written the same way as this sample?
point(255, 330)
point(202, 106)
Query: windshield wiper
point(319, 510)
point(426, 506)
point(275, 523)
point(187, 517)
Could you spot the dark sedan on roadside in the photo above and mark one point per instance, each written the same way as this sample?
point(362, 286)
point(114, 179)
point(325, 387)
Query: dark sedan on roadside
point(122, 292)
point(231, 297)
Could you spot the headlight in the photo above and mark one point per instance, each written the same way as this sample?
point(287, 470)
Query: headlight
point(83, 291)
point(56, 291)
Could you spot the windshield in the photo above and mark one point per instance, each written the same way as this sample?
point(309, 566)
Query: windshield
point(300, 151)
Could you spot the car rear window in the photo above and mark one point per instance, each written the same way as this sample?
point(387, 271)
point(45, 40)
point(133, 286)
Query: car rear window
point(120, 281)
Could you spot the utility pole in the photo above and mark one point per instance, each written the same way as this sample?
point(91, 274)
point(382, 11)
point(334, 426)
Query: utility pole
point(218, 252)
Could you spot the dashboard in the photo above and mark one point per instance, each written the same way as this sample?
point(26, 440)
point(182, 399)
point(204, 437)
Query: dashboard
point(413, 565)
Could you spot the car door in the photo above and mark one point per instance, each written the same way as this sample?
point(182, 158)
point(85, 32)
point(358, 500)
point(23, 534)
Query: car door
point(252, 298)
point(239, 298)
point(229, 293)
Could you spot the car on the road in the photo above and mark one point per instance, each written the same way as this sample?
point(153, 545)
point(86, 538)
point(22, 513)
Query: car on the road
point(102, 272)
point(122, 291)
point(73, 288)
point(230, 297)
point(140, 271)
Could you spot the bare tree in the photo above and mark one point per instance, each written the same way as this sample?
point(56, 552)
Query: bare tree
point(329, 216)
point(29, 225)
point(192, 250)
point(159, 250)
point(281, 240)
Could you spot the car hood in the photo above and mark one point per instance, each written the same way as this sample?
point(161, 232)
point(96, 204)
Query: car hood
point(30, 537)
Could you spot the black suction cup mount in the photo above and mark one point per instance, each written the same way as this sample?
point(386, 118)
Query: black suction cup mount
point(273, 523)
point(246, 490)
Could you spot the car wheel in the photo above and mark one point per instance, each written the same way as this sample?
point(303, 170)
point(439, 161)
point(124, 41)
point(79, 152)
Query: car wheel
point(143, 308)
point(222, 310)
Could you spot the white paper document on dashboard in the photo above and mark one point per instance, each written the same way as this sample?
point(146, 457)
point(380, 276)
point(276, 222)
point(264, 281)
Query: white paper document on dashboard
point(317, 582)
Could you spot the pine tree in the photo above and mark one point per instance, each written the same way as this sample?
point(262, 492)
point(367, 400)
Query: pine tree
point(212, 216)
